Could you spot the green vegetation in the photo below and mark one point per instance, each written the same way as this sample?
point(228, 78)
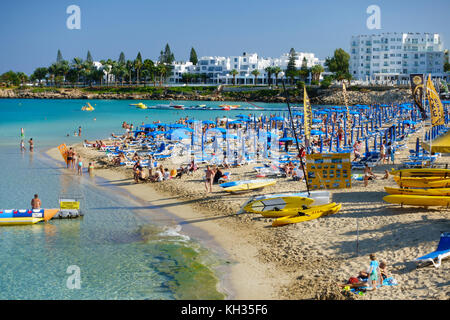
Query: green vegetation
point(339, 65)
point(193, 57)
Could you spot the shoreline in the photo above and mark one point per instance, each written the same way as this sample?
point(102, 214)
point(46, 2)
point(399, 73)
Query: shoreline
point(310, 259)
point(318, 96)
point(231, 285)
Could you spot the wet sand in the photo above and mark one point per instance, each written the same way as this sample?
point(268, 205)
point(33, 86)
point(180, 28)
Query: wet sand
point(306, 260)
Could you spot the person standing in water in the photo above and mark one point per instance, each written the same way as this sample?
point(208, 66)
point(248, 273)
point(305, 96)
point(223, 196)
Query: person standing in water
point(80, 165)
point(36, 202)
point(31, 142)
point(22, 145)
point(79, 131)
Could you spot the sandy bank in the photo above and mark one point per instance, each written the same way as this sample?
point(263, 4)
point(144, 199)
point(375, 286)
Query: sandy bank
point(306, 260)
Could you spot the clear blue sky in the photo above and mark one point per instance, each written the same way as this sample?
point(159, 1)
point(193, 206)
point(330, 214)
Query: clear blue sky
point(33, 31)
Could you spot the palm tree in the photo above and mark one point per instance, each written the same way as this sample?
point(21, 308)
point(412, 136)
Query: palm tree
point(161, 70)
point(77, 64)
point(22, 77)
point(256, 73)
point(129, 67)
point(316, 71)
point(137, 66)
point(234, 73)
point(276, 71)
point(269, 71)
point(149, 68)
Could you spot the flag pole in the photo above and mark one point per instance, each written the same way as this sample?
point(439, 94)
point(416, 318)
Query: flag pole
point(295, 134)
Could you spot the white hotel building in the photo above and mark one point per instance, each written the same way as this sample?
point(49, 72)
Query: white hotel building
point(394, 56)
point(216, 70)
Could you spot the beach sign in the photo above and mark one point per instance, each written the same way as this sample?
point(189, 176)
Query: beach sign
point(63, 150)
point(328, 171)
point(69, 205)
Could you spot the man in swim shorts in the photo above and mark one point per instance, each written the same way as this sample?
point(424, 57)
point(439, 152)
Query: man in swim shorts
point(31, 144)
point(36, 202)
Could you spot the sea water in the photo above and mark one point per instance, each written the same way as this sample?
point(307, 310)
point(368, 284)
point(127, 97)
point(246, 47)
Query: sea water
point(116, 250)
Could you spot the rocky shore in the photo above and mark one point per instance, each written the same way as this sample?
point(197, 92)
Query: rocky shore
point(331, 96)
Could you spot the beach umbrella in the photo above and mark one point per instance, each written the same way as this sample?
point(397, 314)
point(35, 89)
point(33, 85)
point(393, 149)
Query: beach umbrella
point(149, 126)
point(286, 139)
point(176, 125)
point(208, 122)
point(178, 135)
point(192, 121)
point(277, 119)
point(316, 121)
point(316, 133)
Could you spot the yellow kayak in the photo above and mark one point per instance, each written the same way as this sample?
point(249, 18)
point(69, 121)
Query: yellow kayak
point(277, 207)
point(425, 192)
point(296, 211)
point(249, 186)
point(418, 200)
point(309, 214)
point(424, 172)
point(422, 182)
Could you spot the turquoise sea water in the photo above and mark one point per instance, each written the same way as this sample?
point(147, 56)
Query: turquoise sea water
point(120, 248)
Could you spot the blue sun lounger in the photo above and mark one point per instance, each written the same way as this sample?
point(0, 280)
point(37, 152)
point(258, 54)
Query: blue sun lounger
point(442, 251)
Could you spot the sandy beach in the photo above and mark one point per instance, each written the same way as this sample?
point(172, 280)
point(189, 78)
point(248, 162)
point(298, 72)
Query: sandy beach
point(307, 260)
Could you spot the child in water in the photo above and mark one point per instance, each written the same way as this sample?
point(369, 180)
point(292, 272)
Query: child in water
point(91, 169)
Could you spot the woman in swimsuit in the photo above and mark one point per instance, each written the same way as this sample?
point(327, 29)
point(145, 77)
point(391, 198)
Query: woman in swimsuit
point(209, 178)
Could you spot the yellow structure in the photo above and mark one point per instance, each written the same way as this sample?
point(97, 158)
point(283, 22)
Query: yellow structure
point(329, 171)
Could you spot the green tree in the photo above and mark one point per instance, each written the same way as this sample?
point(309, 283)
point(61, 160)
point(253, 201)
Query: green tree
point(59, 57)
point(137, 66)
point(148, 70)
point(255, 73)
point(77, 64)
point(10, 78)
point(72, 75)
point(269, 71)
point(304, 70)
point(234, 73)
point(167, 56)
point(316, 71)
point(339, 65)
point(89, 57)
point(291, 69)
point(161, 70)
point(22, 77)
point(40, 74)
point(129, 67)
point(121, 60)
point(193, 57)
point(446, 67)
point(276, 71)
